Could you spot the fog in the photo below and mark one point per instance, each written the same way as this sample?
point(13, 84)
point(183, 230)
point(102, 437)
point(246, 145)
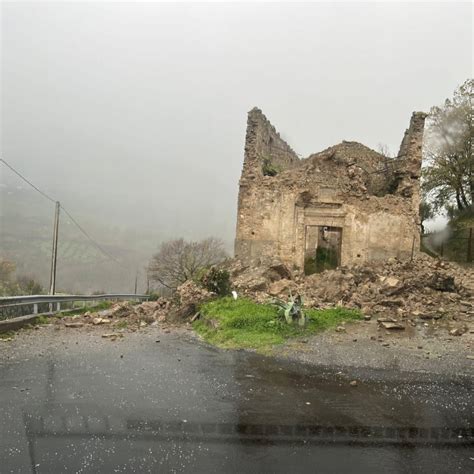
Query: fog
point(134, 115)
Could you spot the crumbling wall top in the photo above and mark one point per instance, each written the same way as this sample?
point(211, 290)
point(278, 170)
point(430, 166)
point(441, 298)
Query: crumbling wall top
point(266, 153)
point(406, 178)
point(349, 166)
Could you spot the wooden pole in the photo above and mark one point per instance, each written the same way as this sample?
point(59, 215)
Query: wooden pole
point(54, 253)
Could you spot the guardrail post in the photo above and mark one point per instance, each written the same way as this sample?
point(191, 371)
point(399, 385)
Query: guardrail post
point(35, 308)
point(50, 307)
point(58, 306)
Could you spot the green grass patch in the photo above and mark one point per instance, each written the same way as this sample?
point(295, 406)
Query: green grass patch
point(248, 325)
point(7, 335)
point(42, 320)
point(98, 307)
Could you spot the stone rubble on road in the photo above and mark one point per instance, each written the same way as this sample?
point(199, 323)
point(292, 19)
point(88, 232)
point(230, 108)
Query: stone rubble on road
point(395, 292)
point(123, 315)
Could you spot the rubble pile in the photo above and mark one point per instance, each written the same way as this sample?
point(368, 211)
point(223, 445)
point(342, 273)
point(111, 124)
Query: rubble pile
point(394, 292)
point(188, 297)
point(125, 315)
point(425, 288)
point(258, 276)
point(122, 315)
point(151, 311)
point(191, 293)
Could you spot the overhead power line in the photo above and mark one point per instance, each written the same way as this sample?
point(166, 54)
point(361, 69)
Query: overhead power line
point(49, 198)
point(90, 238)
point(26, 181)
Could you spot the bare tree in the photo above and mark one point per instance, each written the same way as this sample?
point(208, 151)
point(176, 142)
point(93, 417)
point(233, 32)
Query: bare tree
point(384, 150)
point(179, 260)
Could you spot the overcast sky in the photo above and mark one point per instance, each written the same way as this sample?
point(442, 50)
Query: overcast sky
point(136, 113)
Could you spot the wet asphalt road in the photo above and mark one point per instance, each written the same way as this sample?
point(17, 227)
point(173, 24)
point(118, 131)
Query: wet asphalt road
point(87, 405)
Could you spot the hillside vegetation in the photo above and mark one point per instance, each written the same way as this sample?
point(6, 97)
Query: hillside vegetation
point(26, 227)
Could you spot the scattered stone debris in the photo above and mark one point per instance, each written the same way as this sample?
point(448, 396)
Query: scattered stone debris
point(97, 321)
point(183, 307)
point(123, 315)
point(112, 336)
point(458, 331)
point(74, 325)
point(191, 293)
point(424, 292)
point(396, 295)
point(353, 383)
point(117, 310)
point(390, 325)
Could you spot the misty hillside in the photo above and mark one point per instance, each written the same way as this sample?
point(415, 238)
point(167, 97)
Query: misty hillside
point(26, 227)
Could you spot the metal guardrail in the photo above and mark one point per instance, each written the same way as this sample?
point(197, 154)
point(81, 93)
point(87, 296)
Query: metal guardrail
point(29, 299)
point(10, 306)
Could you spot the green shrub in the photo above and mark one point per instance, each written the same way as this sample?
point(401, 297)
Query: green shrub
point(268, 168)
point(42, 320)
point(324, 259)
point(217, 281)
point(153, 296)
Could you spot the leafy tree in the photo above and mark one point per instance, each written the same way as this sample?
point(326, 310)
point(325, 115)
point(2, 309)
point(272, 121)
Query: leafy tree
point(11, 286)
point(448, 175)
point(179, 260)
point(7, 268)
point(7, 284)
point(29, 286)
point(426, 213)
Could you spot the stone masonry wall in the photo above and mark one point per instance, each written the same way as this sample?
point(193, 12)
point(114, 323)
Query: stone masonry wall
point(333, 188)
point(263, 143)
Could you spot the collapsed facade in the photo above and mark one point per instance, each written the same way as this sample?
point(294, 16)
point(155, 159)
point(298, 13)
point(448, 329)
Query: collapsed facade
point(345, 205)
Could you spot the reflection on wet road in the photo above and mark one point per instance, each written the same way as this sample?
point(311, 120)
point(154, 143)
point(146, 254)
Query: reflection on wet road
point(179, 406)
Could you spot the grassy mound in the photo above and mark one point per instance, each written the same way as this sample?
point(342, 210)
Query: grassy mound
point(244, 324)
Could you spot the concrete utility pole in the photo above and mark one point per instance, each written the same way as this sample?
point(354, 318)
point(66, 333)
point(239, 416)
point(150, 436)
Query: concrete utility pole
point(54, 253)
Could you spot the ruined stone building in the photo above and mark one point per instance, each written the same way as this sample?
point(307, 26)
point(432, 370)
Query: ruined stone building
point(345, 205)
